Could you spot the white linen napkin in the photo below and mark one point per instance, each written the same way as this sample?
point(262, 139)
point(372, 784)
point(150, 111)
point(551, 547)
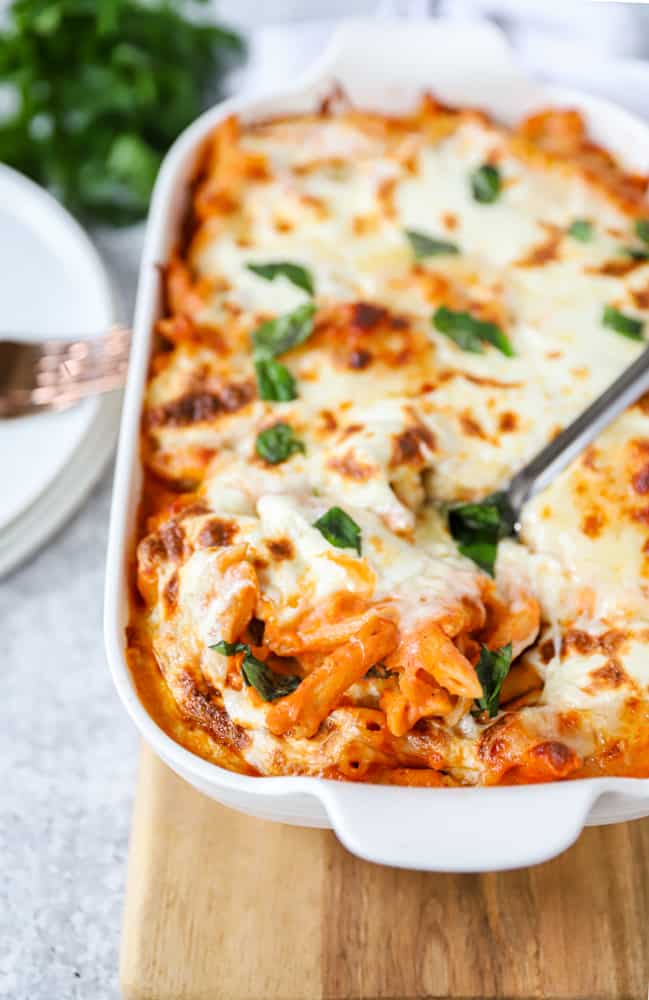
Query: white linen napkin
point(540, 28)
point(601, 47)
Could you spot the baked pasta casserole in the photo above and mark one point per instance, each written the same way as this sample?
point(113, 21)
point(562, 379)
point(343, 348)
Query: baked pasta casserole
point(371, 323)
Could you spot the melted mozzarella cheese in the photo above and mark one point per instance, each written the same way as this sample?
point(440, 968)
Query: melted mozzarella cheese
point(585, 539)
point(355, 248)
point(599, 679)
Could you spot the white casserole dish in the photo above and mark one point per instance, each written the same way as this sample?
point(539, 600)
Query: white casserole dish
point(382, 65)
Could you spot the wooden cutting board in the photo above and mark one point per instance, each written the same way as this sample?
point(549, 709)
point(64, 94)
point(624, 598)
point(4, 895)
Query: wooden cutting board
point(224, 907)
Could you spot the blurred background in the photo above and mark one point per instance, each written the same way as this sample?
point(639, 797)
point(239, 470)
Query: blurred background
point(92, 93)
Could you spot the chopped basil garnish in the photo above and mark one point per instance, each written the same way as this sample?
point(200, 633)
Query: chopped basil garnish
point(628, 326)
point(265, 681)
point(230, 648)
point(492, 668)
point(635, 253)
point(582, 230)
point(274, 381)
point(642, 229)
point(258, 674)
point(339, 529)
point(428, 246)
point(296, 274)
point(277, 443)
point(485, 183)
point(283, 333)
point(478, 527)
point(469, 333)
point(380, 672)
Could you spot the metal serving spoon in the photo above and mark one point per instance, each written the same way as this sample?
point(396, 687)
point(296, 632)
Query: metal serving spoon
point(553, 459)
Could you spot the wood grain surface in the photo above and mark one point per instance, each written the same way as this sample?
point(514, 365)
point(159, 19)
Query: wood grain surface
point(224, 907)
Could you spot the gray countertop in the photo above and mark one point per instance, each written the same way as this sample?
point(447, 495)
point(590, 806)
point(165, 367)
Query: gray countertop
point(68, 756)
point(68, 752)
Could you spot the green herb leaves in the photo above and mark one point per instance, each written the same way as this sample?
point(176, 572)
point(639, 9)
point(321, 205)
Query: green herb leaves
point(486, 184)
point(258, 674)
point(469, 333)
point(102, 90)
point(380, 672)
point(625, 325)
point(582, 230)
point(277, 443)
point(492, 668)
point(478, 527)
point(635, 253)
point(283, 333)
point(642, 229)
point(275, 382)
point(339, 529)
point(265, 681)
point(429, 246)
point(297, 275)
point(230, 648)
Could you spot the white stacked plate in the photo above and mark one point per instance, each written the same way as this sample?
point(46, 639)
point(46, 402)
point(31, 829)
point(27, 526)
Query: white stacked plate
point(52, 283)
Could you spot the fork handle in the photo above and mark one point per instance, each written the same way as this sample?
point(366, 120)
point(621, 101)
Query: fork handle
point(551, 460)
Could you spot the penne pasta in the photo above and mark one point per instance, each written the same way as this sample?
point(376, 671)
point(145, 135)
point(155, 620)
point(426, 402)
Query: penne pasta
point(304, 710)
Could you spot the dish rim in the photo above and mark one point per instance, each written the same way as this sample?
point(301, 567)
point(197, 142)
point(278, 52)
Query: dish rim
point(354, 819)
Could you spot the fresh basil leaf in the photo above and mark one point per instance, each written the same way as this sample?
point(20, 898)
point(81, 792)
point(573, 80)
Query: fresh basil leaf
point(277, 443)
point(485, 183)
point(230, 648)
point(492, 668)
point(274, 381)
point(635, 253)
point(469, 333)
point(258, 674)
point(478, 527)
point(265, 681)
point(483, 554)
point(582, 230)
point(642, 229)
point(429, 246)
point(628, 326)
point(339, 529)
point(297, 275)
point(283, 333)
point(380, 672)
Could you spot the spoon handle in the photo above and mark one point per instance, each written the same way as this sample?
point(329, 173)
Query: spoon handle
point(551, 460)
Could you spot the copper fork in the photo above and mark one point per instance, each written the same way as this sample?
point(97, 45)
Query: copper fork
point(54, 374)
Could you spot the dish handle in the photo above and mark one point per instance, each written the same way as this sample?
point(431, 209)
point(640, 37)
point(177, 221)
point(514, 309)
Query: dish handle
point(458, 829)
point(408, 48)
